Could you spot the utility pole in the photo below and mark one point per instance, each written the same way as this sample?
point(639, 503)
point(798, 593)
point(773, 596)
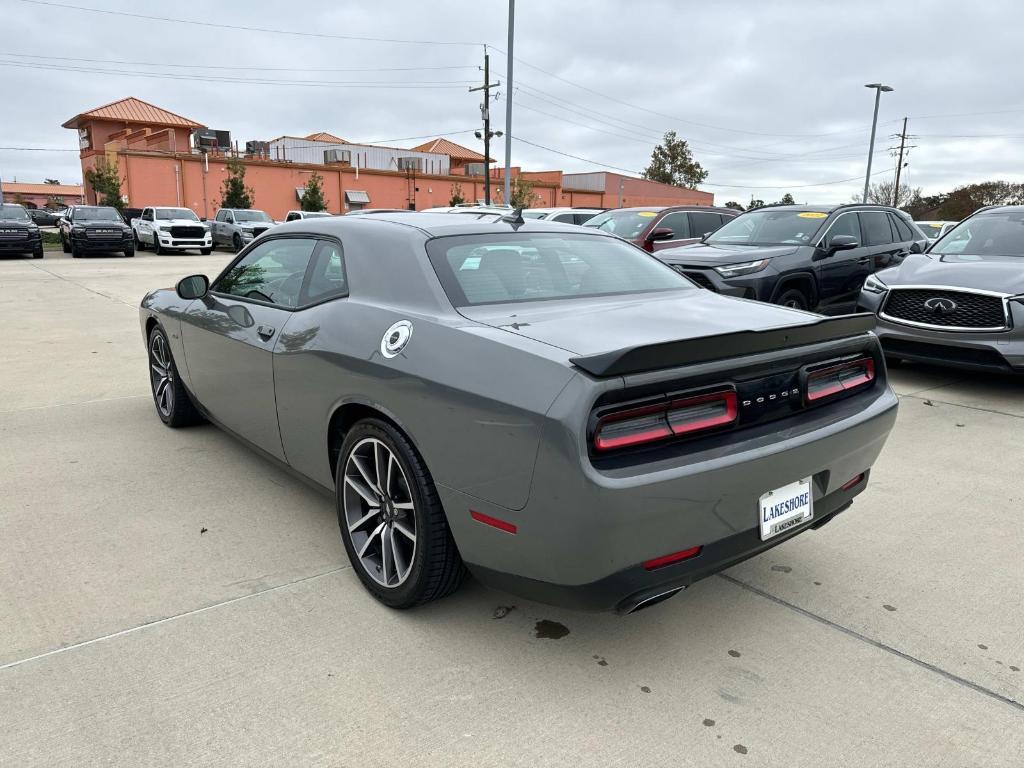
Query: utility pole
point(508, 103)
point(899, 165)
point(879, 88)
point(485, 113)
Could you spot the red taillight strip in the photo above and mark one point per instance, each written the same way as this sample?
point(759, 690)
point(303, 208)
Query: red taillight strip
point(501, 525)
point(840, 386)
point(675, 557)
point(666, 428)
point(852, 482)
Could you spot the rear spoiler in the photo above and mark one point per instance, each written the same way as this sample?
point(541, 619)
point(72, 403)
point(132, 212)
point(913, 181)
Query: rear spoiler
point(669, 354)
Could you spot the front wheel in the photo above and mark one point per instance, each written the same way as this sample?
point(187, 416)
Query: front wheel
point(130, 253)
point(64, 244)
point(394, 528)
point(237, 241)
point(174, 406)
point(37, 254)
point(139, 245)
point(793, 298)
point(156, 245)
point(206, 251)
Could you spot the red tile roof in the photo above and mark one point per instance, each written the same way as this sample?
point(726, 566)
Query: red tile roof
point(132, 110)
point(450, 148)
point(16, 188)
point(330, 138)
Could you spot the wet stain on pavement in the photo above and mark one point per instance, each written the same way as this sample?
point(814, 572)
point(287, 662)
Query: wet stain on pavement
point(601, 662)
point(983, 646)
point(502, 611)
point(782, 568)
point(817, 583)
point(739, 748)
point(708, 722)
point(550, 630)
point(734, 654)
point(1014, 669)
point(645, 689)
point(889, 607)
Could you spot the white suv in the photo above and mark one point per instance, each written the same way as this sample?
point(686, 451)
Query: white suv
point(563, 215)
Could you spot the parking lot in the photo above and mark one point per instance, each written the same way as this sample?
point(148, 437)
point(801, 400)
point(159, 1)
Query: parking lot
point(170, 598)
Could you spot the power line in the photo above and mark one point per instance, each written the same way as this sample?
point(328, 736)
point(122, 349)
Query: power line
point(243, 28)
point(237, 66)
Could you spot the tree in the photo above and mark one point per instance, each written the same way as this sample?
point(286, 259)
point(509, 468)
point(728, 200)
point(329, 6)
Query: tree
point(735, 206)
point(754, 203)
point(313, 196)
point(881, 193)
point(673, 163)
point(234, 193)
point(521, 193)
point(53, 202)
point(787, 199)
point(51, 181)
point(106, 183)
point(456, 198)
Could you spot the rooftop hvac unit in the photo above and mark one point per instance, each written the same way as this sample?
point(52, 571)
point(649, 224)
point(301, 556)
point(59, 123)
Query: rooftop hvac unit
point(207, 138)
point(258, 148)
point(474, 169)
point(410, 163)
point(337, 156)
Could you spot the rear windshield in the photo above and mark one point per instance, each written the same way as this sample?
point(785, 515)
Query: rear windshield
point(175, 213)
point(930, 230)
point(773, 227)
point(534, 214)
point(13, 213)
point(990, 234)
point(626, 224)
point(94, 213)
point(498, 269)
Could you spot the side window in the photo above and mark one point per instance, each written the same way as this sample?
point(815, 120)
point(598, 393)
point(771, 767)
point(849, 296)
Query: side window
point(272, 272)
point(327, 275)
point(221, 215)
point(904, 233)
point(148, 214)
point(845, 224)
point(581, 217)
point(702, 223)
point(677, 222)
point(566, 218)
point(293, 216)
point(876, 228)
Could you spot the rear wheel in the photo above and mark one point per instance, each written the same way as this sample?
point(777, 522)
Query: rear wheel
point(394, 528)
point(174, 406)
point(794, 298)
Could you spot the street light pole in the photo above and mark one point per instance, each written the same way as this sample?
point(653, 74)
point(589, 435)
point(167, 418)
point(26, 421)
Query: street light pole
point(879, 88)
point(508, 102)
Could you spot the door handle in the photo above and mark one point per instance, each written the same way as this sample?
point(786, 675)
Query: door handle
point(864, 260)
point(264, 331)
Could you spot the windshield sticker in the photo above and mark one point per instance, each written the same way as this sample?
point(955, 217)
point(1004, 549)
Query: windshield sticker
point(473, 262)
point(647, 214)
point(812, 215)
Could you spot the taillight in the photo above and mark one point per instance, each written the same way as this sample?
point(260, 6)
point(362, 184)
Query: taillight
point(840, 377)
point(671, 418)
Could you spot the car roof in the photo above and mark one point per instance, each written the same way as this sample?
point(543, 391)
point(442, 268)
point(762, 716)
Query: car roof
point(1000, 209)
point(437, 224)
point(670, 208)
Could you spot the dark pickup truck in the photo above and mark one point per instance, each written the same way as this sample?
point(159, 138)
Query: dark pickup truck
point(93, 229)
point(18, 233)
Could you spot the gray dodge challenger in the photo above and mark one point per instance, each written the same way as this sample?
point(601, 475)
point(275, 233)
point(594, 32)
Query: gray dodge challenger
point(548, 406)
point(962, 302)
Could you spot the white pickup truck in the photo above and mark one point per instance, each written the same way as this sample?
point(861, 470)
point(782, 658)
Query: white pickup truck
point(167, 229)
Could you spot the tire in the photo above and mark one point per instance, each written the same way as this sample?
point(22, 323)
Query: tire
point(206, 251)
point(130, 253)
point(64, 244)
point(139, 245)
point(75, 253)
point(237, 242)
point(793, 298)
point(37, 254)
point(433, 567)
point(173, 403)
point(157, 250)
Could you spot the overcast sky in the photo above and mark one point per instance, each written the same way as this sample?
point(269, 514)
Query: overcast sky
point(770, 94)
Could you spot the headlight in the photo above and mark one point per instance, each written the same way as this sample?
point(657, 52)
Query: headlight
point(874, 285)
point(747, 268)
point(78, 230)
point(33, 228)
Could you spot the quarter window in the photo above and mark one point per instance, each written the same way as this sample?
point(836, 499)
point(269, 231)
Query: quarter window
point(327, 275)
point(876, 228)
point(902, 229)
point(271, 272)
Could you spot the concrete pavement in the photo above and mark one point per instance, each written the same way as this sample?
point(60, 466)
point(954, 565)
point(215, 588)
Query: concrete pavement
point(893, 636)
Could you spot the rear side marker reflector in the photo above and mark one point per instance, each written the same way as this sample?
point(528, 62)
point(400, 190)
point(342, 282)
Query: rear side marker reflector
point(842, 377)
point(672, 418)
point(675, 557)
point(852, 482)
point(494, 522)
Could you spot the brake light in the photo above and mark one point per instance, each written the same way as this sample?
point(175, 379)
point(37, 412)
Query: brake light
point(675, 557)
point(842, 377)
point(672, 418)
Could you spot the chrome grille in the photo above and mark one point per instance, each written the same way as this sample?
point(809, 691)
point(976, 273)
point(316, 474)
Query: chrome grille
point(257, 231)
point(13, 234)
point(103, 234)
point(943, 308)
point(700, 279)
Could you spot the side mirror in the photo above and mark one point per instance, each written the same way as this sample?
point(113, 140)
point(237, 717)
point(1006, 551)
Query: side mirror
point(661, 233)
point(915, 247)
point(192, 287)
point(202, 218)
point(841, 243)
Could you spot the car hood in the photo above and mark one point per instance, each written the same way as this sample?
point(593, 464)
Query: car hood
point(590, 327)
point(179, 223)
point(704, 255)
point(15, 223)
point(97, 223)
point(254, 224)
point(1004, 274)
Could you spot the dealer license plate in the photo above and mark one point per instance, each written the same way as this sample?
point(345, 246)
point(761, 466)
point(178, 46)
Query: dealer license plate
point(785, 508)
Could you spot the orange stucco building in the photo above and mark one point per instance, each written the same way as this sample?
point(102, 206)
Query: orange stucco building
point(158, 164)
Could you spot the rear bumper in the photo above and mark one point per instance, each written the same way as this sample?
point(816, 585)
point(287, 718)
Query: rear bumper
point(584, 534)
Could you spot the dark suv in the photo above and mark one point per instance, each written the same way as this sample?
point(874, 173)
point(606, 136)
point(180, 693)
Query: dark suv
point(91, 228)
point(801, 256)
point(655, 228)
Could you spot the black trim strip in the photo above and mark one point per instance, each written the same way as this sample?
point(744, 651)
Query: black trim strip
point(688, 351)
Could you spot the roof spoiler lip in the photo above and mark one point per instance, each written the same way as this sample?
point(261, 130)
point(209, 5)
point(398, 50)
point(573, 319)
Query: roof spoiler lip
point(671, 354)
